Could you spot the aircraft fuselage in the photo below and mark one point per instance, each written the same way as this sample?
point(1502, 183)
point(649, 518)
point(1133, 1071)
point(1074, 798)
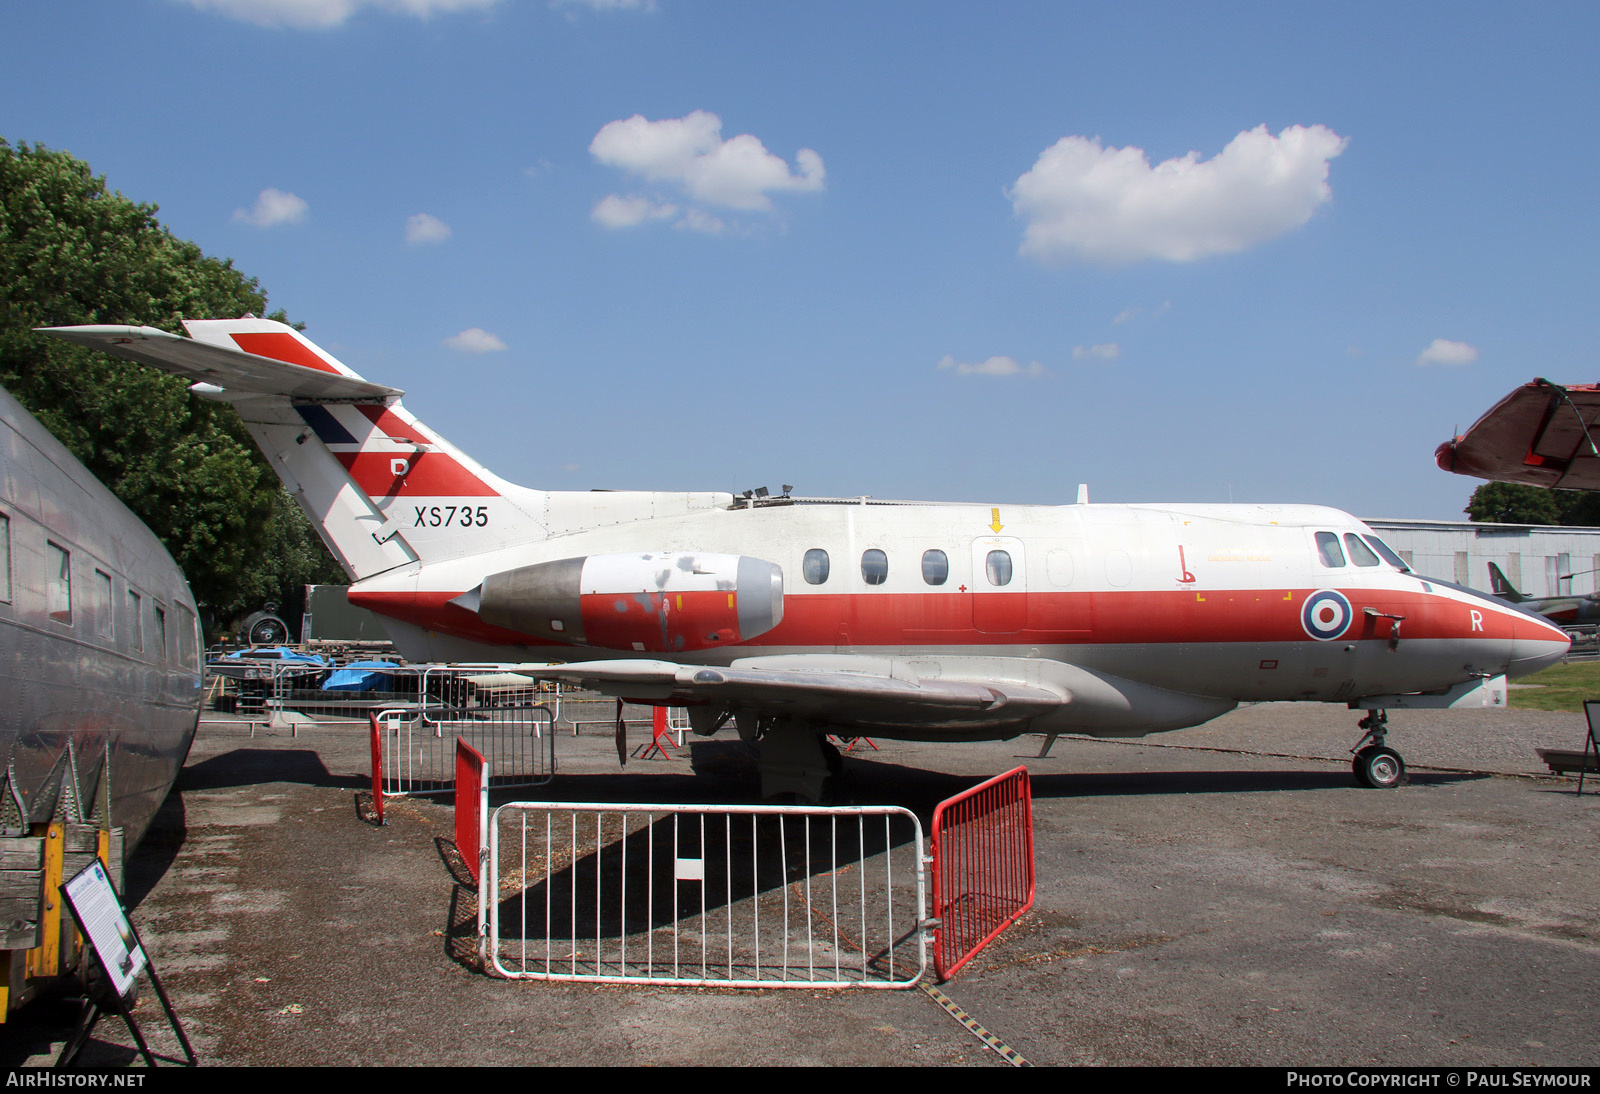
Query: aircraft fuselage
point(1207, 603)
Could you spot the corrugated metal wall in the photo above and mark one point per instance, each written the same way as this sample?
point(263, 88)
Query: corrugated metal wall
point(1532, 557)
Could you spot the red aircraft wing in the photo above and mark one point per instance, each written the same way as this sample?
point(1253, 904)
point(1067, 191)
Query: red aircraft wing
point(1541, 434)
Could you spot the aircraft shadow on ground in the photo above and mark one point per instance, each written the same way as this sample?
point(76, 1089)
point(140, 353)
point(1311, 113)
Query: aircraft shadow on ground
point(725, 772)
point(38, 1029)
point(1134, 784)
point(241, 767)
point(577, 885)
point(922, 790)
point(573, 870)
point(250, 766)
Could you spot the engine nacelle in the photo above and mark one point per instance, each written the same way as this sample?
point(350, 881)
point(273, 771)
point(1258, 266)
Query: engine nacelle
point(669, 602)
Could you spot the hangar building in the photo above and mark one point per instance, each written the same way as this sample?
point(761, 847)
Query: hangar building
point(1536, 558)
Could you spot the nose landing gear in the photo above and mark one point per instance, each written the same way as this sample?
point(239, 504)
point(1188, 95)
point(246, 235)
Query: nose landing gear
point(1376, 765)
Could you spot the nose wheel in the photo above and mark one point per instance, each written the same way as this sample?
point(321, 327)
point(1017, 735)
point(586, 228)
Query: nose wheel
point(1376, 765)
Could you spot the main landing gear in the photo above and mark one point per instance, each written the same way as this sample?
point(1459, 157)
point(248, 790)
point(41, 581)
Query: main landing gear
point(797, 763)
point(1376, 765)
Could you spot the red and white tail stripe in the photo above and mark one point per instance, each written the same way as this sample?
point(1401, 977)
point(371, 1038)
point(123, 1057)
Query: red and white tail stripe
point(411, 486)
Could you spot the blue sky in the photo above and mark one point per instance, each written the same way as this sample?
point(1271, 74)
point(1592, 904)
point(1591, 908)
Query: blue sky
point(910, 250)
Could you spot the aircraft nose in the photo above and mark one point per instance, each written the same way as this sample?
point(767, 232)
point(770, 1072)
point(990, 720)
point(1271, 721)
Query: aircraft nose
point(1535, 645)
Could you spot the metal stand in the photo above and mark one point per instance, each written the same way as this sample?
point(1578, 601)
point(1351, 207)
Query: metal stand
point(114, 956)
point(1591, 713)
point(99, 1000)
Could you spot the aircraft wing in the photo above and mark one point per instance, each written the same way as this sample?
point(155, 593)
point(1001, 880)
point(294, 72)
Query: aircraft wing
point(841, 690)
point(1541, 434)
point(230, 369)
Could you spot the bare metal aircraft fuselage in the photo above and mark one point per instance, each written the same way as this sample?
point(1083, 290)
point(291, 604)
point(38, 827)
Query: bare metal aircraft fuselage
point(99, 645)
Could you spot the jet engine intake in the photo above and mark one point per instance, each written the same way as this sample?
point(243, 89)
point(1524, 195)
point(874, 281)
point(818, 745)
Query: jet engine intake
point(666, 602)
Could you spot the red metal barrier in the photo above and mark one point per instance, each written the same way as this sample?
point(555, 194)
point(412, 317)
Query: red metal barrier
point(472, 775)
point(658, 730)
point(982, 866)
point(377, 766)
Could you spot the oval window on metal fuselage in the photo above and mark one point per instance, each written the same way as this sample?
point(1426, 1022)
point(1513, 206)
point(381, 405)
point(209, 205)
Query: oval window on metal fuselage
point(874, 566)
point(998, 567)
point(935, 567)
point(815, 566)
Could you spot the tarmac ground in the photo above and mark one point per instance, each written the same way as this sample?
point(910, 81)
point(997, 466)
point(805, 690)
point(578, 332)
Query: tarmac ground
point(1220, 895)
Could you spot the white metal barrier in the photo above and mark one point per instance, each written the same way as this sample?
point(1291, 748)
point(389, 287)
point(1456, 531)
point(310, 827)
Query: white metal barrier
point(489, 686)
point(589, 713)
point(712, 895)
point(678, 723)
point(293, 692)
point(417, 746)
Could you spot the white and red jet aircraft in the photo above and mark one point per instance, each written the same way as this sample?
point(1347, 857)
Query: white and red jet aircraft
point(794, 617)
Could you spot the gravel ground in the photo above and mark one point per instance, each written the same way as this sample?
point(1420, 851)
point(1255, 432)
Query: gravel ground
point(1220, 895)
point(1498, 741)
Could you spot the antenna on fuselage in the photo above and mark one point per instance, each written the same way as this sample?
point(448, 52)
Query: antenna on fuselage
point(1083, 493)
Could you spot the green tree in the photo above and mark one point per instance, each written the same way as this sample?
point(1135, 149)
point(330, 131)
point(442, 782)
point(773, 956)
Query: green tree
point(72, 251)
point(1513, 503)
point(1578, 507)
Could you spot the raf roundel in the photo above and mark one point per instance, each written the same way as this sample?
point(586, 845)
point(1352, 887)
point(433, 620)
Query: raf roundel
point(1326, 615)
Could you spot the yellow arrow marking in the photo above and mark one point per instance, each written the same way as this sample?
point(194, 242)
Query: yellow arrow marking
point(995, 514)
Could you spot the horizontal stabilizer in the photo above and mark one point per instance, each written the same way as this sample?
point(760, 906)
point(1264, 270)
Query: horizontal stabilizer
point(231, 369)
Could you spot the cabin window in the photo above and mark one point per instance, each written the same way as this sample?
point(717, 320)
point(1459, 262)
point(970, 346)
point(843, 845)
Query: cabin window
point(998, 567)
point(1360, 553)
point(135, 620)
point(5, 558)
point(874, 566)
point(58, 583)
point(1328, 550)
point(161, 631)
point(188, 639)
point(102, 604)
point(1386, 553)
point(935, 567)
point(815, 566)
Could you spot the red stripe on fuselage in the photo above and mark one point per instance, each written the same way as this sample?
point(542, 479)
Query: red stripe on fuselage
point(282, 347)
point(424, 475)
point(1053, 618)
point(392, 425)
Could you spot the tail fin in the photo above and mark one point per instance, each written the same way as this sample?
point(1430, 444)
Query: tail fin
point(383, 490)
point(1501, 587)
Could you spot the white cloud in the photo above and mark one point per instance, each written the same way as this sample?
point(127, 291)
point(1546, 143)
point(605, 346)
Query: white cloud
point(423, 228)
point(273, 207)
point(475, 340)
point(689, 155)
point(613, 211)
point(1126, 315)
point(994, 366)
point(325, 14)
point(1084, 202)
point(698, 220)
point(1106, 351)
point(1442, 351)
